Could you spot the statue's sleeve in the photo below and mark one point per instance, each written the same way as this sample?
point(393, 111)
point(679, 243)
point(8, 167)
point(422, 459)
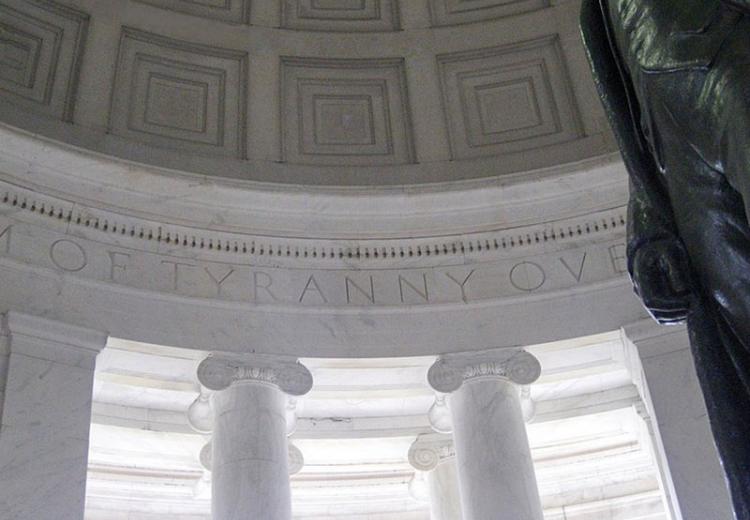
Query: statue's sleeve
point(650, 215)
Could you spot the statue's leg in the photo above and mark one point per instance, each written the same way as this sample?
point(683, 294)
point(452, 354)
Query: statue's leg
point(728, 410)
point(711, 218)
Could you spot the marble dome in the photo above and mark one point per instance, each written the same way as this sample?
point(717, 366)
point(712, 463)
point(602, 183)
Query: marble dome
point(309, 92)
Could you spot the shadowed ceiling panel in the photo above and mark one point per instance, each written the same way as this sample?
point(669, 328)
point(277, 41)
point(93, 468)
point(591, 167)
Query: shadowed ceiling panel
point(41, 45)
point(450, 12)
point(341, 15)
point(345, 112)
point(508, 99)
point(235, 11)
point(177, 95)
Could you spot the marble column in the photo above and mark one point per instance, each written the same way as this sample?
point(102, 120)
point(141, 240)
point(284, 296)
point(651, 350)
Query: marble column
point(250, 468)
point(47, 379)
point(295, 463)
point(434, 455)
point(661, 364)
point(495, 470)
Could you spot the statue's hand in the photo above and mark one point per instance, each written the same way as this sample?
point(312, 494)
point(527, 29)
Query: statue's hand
point(661, 277)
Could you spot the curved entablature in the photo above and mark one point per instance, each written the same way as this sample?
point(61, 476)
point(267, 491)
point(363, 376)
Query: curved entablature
point(333, 93)
point(207, 282)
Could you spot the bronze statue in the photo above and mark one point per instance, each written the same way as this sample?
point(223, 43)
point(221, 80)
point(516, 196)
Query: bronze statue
point(674, 78)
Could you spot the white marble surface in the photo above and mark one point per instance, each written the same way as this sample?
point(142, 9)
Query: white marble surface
point(163, 259)
point(445, 497)
point(662, 365)
point(355, 429)
point(434, 458)
point(249, 463)
point(46, 418)
point(496, 473)
point(200, 416)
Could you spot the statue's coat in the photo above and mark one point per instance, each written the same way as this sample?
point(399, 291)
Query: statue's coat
point(674, 78)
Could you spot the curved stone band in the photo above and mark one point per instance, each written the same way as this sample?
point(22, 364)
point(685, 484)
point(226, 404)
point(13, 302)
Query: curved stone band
point(219, 371)
point(449, 372)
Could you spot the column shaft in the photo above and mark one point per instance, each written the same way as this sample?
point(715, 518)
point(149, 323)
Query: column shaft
point(250, 468)
point(46, 418)
point(434, 456)
point(445, 500)
point(496, 473)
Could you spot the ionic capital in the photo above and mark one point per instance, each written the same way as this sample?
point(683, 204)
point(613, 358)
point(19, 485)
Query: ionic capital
point(219, 371)
point(450, 371)
point(429, 450)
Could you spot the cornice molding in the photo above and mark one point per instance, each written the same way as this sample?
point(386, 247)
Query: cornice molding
point(179, 210)
point(42, 335)
point(73, 216)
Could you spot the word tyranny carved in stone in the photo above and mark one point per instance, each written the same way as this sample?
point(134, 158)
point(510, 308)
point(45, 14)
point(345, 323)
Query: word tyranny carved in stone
point(242, 279)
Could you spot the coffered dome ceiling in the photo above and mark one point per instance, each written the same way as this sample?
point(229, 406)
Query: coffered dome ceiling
point(311, 92)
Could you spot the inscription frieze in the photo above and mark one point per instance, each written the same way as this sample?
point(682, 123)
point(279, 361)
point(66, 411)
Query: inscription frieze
point(460, 281)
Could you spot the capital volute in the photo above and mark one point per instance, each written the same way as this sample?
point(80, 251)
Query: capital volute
point(219, 371)
point(450, 371)
point(440, 416)
point(429, 450)
point(296, 459)
point(206, 456)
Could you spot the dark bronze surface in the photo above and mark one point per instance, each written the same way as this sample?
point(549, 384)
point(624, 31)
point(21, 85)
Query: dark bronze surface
point(674, 78)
